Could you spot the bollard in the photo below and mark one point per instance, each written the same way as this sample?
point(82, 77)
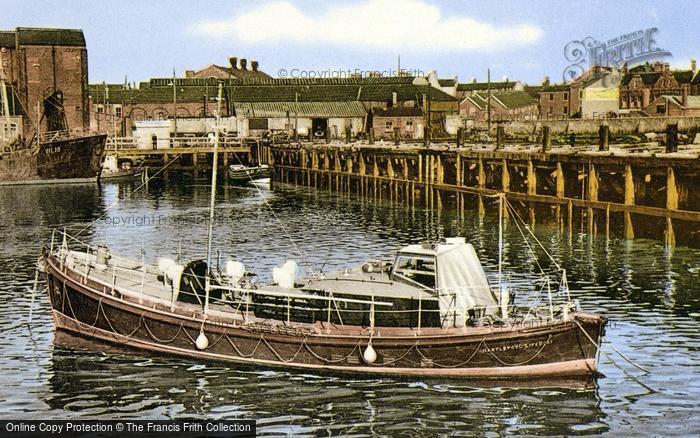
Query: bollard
point(546, 138)
point(671, 138)
point(603, 138)
point(500, 136)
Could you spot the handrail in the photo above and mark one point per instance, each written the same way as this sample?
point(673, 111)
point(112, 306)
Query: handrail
point(298, 295)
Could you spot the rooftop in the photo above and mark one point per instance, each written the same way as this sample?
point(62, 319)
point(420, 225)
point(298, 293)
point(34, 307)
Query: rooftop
point(34, 36)
point(473, 86)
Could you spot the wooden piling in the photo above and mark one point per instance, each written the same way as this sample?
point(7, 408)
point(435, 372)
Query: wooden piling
point(546, 138)
point(671, 204)
point(629, 200)
point(603, 137)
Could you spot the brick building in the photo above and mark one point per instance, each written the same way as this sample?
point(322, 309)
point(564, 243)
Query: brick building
point(643, 87)
point(46, 72)
point(588, 96)
point(469, 88)
point(408, 121)
point(238, 68)
point(117, 107)
point(505, 106)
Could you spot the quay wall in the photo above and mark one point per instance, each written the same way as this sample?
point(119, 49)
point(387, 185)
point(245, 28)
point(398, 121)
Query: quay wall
point(626, 125)
point(598, 193)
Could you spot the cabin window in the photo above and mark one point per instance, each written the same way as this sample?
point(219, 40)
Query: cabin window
point(415, 269)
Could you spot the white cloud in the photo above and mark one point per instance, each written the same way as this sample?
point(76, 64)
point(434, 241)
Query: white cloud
point(398, 25)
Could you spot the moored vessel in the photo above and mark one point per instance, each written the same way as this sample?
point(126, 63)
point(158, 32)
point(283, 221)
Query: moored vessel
point(430, 310)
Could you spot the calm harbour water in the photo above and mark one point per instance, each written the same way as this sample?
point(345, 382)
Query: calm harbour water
point(650, 295)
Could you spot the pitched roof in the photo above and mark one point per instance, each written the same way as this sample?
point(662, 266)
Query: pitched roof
point(683, 76)
point(364, 93)
point(299, 109)
point(447, 82)
point(477, 100)
point(693, 101)
point(533, 90)
point(32, 36)
point(648, 78)
point(249, 75)
point(400, 111)
point(472, 86)
point(555, 87)
point(514, 99)
point(370, 80)
point(160, 90)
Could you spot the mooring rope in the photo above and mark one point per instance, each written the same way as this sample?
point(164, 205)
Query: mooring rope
point(630, 361)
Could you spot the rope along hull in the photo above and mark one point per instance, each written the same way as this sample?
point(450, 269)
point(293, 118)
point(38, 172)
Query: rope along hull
point(94, 310)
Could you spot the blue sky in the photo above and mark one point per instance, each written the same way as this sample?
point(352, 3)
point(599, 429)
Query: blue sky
point(516, 39)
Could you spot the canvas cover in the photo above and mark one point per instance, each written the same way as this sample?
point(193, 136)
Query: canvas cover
point(461, 284)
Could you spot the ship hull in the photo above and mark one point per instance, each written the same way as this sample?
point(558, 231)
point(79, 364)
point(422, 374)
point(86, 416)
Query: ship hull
point(86, 307)
point(72, 159)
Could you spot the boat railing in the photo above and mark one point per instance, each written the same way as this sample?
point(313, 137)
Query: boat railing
point(50, 136)
point(240, 298)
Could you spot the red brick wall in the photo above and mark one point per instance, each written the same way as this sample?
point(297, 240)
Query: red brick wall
point(36, 72)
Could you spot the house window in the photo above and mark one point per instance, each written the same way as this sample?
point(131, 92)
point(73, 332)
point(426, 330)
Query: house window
point(118, 111)
point(549, 111)
point(580, 94)
point(409, 124)
point(660, 109)
point(388, 126)
point(100, 109)
point(566, 96)
point(566, 110)
point(551, 97)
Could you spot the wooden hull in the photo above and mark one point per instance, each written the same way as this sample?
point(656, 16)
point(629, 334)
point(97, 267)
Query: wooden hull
point(91, 309)
point(245, 176)
point(70, 159)
point(121, 175)
point(74, 157)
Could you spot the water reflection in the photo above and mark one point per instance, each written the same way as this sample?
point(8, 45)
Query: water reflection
point(650, 295)
point(122, 383)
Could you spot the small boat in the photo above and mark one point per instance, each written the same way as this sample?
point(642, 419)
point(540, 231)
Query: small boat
point(57, 156)
point(112, 171)
point(429, 311)
point(240, 174)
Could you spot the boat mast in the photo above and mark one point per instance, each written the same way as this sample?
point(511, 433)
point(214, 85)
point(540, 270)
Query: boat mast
point(5, 109)
point(213, 195)
point(502, 293)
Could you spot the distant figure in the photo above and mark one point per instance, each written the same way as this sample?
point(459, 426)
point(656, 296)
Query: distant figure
point(572, 139)
point(154, 141)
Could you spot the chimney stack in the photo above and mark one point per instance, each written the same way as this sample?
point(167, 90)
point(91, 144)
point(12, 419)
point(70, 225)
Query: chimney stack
point(189, 73)
point(233, 62)
point(545, 82)
point(244, 64)
point(693, 64)
point(254, 65)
